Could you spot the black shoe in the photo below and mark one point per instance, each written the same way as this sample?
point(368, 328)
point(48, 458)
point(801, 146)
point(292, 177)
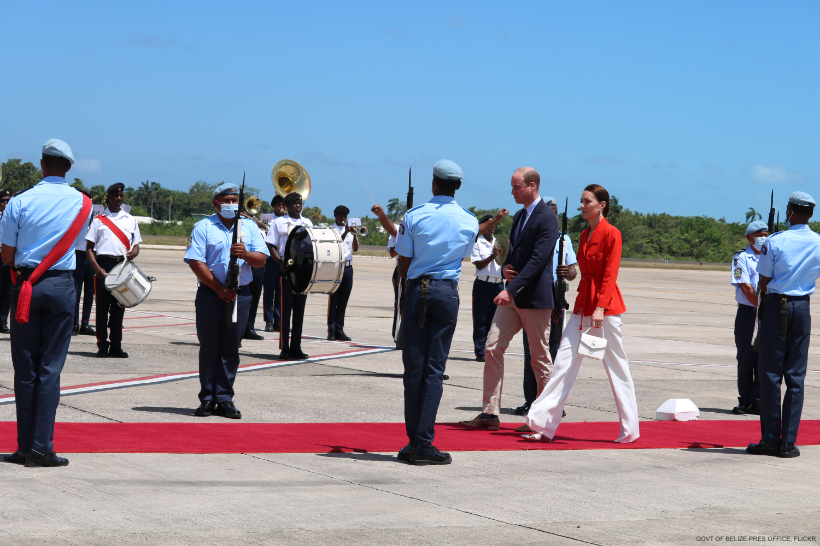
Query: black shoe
point(563, 413)
point(4, 329)
point(331, 337)
point(269, 327)
point(762, 448)
point(787, 451)
point(86, 330)
point(406, 453)
point(76, 330)
point(18, 457)
point(479, 358)
point(284, 355)
point(740, 409)
point(298, 355)
point(753, 409)
point(205, 409)
point(429, 455)
point(445, 377)
point(117, 353)
point(227, 410)
point(35, 460)
point(342, 337)
point(102, 353)
point(277, 328)
point(250, 334)
point(523, 409)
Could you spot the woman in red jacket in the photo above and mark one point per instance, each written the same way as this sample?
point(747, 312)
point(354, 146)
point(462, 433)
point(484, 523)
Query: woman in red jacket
point(598, 307)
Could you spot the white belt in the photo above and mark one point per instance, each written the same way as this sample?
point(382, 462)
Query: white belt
point(348, 262)
point(488, 278)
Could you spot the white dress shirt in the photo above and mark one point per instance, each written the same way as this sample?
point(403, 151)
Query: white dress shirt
point(483, 249)
point(530, 208)
point(105, 242)
point(281, 228)
point(347, 241)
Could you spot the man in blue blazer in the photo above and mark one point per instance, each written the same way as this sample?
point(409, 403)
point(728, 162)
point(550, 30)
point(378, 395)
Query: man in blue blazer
point(527, 300)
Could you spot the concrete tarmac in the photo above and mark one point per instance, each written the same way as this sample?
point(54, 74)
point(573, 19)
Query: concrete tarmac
point(677, 334)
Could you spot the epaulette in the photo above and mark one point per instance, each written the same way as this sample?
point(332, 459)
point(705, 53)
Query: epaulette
point(465, 210)
point(22, 191)
point(414, 208)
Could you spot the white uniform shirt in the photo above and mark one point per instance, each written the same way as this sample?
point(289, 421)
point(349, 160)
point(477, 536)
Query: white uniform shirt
point(347, 241)
point(391, 243)
point(281, 228)
point(483, 249)
point(81, 242)
point(105, 242)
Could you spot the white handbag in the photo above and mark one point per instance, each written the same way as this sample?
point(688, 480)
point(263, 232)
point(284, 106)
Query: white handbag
point(591, 346)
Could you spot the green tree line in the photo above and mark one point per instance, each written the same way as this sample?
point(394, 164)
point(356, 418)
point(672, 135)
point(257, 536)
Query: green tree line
point(650, 235)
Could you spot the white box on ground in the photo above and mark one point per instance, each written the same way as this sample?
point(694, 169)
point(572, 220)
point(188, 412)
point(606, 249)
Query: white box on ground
point(677, 409)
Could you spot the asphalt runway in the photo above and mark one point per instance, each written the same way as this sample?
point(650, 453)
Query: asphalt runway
point(677, 334)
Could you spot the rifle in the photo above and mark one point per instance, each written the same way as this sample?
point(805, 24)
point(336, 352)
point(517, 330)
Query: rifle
point(777, 225)
point(771, 215)
point(561, 285)
point(410, 189)
point(234, 269)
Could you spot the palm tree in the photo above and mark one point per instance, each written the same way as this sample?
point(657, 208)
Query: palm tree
point(753, 215)
point(395, 208)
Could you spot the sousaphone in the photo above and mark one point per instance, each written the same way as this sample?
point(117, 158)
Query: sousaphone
point(288, 176)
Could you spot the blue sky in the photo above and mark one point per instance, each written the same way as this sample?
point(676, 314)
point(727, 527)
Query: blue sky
point(682, 107)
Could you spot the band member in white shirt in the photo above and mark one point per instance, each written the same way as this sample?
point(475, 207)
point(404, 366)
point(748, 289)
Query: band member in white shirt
point(84, 284)
point(488, 284)
point(290, 337)
point(337, 302)
point(105, 250)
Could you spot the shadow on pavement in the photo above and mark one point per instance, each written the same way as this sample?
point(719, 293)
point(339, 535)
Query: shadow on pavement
point(178, 411)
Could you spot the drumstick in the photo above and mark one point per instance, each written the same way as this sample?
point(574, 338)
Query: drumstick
point(368, 191)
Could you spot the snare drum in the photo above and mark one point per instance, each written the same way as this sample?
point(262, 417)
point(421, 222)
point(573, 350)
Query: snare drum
point(128, 284)
point(315, 260)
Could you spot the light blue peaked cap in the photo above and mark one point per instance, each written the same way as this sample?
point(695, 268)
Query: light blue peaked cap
point(757, 225)
point(228, 188)
point(550, 201)
point(447, 170)
point(802, 198)
point(57, 148)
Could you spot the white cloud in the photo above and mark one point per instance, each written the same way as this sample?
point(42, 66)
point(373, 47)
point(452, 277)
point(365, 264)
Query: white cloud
point(776, 174)
point(88, 166)
point(603, 161)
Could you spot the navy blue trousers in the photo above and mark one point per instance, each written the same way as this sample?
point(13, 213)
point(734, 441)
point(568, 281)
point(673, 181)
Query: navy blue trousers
point(83, 279)
point(424, 354)
point(219, 342)
point(337, 303)
point(293, 305)
point(109, 313)
point(483, 311)
point(38, 351)
point(783, 360)
point(530, 385)
point(5, 293)
point(272, 298)
point(255, 287)
point(748, 387)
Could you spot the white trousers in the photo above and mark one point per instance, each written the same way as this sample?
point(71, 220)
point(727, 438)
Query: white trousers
point(545, 414)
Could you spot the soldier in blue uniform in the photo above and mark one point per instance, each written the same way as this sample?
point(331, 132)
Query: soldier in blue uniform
point(33, 224)
point(5, 275)
point(789, 267)
point(432, 241)
point(744, 279)
point(208, 255)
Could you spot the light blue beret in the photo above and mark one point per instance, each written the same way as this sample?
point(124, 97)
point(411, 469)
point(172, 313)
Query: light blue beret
point(801, 198)
point(447, 170)
point(57, 148)
point(550, 201)
point(228, 188)
point(758, 225)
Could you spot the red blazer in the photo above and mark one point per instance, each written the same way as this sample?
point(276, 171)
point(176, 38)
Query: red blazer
point(599, 260)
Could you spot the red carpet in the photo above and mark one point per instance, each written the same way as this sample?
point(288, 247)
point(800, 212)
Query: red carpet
point(232, 437)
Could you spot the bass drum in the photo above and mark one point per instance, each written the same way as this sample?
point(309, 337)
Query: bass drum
point(315, 259)
point(128, 284)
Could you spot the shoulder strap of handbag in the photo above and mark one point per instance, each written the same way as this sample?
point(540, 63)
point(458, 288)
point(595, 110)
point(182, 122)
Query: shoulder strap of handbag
point(116, 231)
point(59, 250)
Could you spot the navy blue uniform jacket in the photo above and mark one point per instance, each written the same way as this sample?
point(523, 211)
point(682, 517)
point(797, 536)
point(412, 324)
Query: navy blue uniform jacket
point(532, 256)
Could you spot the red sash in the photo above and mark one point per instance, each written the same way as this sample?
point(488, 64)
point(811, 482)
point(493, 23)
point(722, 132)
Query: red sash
point(59, 250)
point(116, 231)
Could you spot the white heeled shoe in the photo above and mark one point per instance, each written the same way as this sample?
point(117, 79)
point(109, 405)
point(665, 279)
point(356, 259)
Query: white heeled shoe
point(536, 437)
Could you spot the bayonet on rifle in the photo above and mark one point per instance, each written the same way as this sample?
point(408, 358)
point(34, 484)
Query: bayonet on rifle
point(234, 269)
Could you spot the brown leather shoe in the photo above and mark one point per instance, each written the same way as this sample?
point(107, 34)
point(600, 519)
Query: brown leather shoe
point(524, 428)
point(478, 422)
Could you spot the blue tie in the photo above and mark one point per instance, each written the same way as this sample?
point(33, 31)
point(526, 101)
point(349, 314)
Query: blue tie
point(520, 227)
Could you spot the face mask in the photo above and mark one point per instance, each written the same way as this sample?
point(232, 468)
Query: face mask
point(759, 242)
point(229, 210)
